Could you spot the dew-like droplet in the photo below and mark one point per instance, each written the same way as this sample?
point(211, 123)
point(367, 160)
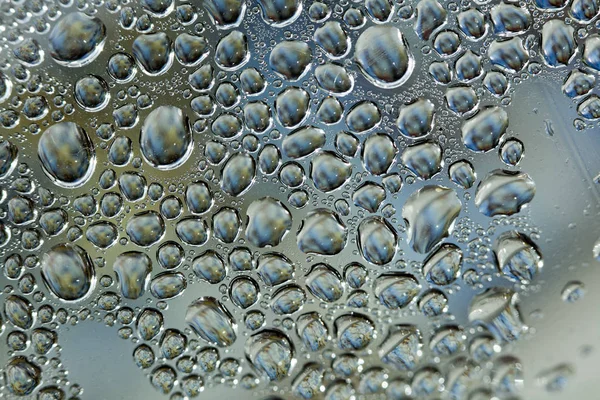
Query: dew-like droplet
point(22, 376)
point(354, 331)
point(518, 257)
point(324, 283)
point(378, 153)
point(308, 382)
point(377, 240)
point(416, 119)
point(211, 321)
point(558, 43)
point(369, 196)
point(482, 132)
point(322, 232)
point(209, 267)
point(271, 353)
point(68, 272)
point(76, 39)
point(238, 174)
point(402, 347)
point(497, 309)
point(443, 266)
point(303, 142)
point(396, 290)
point(428, 208)
point(504, 192)
point(133, 272)
point(19, 311)
point(383, 55)
point(290, 59)
point(288, 300)
point(232, 51)
point(244, 291)
point(153, 52)
point(166, 140)
point(67, 154)
point(334, 78)
point(424, 159)
point(168, 285)
point(268, 222)
point(431, 15)
point(225, 14)
point(145, 228)
point(329, 171)
point(462, 173)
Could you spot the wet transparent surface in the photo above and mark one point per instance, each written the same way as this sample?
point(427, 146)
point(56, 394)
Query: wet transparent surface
point(299, 199)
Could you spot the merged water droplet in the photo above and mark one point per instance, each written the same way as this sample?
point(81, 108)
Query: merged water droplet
point(322, 232)
point(504, 192)
point(268, 222)
point(211, 321)
point(153, 52)
point(428, 208)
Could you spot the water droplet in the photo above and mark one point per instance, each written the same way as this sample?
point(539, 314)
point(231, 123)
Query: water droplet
point(67, 154)
point(211, 321)
point(429, 207)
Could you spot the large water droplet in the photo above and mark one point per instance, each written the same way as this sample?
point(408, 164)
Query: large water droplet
point(383, 56)
point(67, 154)
point(504, 192)
point(211, 321)
point(76, 39)
point(68, 272)
point(165, 140)
point(322, 232)
point(271, 352)
point(430, 213)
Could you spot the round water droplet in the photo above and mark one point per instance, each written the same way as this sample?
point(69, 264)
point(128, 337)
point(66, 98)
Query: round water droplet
point(76, 39)
point(383, 56)
point(271, 353)
point(68, 272)
point(67, 154)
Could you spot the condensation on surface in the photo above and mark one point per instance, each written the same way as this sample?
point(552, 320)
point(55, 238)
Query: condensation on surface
point(306, 199)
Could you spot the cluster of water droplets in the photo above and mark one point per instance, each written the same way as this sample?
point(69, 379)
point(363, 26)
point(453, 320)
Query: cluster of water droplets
point(307, 166)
